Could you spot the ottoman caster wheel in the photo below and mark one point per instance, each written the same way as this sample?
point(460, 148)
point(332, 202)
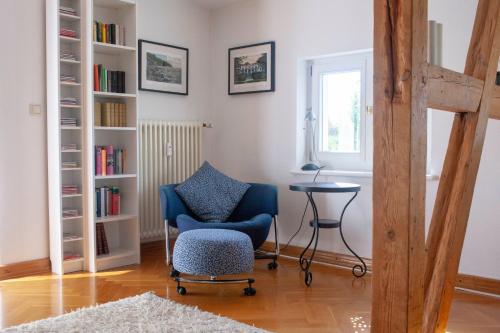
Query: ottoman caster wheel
point(272, 265)
point(174, 273)
point(250, 291)
point(181, 290)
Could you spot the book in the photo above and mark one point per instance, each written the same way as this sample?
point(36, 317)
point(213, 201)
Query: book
point(103, 162)
point(98, 160)
point(97, 114)
point(109, 160)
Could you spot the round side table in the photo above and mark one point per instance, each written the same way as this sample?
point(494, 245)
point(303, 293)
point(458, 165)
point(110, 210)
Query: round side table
point(358, 270)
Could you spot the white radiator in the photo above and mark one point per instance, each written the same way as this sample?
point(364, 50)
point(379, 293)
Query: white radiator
point(170, 152)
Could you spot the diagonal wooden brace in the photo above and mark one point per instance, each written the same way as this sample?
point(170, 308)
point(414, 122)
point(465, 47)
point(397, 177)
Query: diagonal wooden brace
point(454, 199)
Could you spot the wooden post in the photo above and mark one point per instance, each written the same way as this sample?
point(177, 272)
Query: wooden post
point(400, 133)
point(451, 212)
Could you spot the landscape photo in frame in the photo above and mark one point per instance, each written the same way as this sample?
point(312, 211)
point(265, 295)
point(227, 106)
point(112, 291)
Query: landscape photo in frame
point(163, 68)
point(252, 69)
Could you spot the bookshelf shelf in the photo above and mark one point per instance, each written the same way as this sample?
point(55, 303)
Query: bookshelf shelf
point(67, 61)
point(76, 260)
point(109, 128)
point(115, 254)
point(71, 169)
point(69, 39)
point(69, 17)
point(69, 106)
point(116, 218)
point(67, 196)
point(112, 49)
point(71, 240)
point(113, 3)
point(115, 176)
point(72, 218)
point(73, 84)
point(65, 83)
point(113, 95)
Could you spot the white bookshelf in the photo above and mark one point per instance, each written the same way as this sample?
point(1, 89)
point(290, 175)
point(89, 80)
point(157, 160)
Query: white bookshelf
point(57, 135)
point(122, 231)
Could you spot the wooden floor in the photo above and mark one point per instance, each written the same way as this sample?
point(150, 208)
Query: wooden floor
point(336, 302)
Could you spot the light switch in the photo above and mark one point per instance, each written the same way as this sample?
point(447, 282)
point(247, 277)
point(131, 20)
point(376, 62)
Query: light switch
point(35, 109)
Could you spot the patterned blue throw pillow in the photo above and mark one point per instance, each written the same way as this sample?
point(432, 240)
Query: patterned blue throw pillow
point(210, 194)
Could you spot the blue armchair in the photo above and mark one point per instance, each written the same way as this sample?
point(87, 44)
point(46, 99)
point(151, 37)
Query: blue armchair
point(255, 213)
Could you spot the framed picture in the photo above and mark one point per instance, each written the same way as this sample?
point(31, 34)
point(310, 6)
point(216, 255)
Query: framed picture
point(163, 68)
point(252, 69)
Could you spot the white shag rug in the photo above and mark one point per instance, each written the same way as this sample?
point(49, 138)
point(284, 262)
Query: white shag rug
point(142, 313)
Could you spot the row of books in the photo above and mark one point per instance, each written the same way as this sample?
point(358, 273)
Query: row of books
point(70, 101)
point(68, 236)
point(69, 164)
point(110, 114)
point(108, 201)
point(101, 239)
point(68, 78)
point(66, 55)
point(67, 10)
point(69, 255)
point(109, 161)
point(70, 189)
point(69, 146)
point(109, 33)
point(68, 33)
point(107, 80)
point(70, 212)
point(68, 121)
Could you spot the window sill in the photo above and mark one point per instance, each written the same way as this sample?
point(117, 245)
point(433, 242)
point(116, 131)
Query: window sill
point(350, 174)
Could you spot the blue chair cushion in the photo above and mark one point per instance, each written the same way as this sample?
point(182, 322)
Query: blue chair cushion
point(213, 252)
point(256, 228)
point(210, 194)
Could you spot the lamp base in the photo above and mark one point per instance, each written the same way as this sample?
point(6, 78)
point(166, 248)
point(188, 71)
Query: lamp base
point(310, 167)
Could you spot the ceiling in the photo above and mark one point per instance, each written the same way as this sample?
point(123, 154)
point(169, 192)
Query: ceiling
point(212, 4)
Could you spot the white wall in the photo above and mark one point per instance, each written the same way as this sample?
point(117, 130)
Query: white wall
point(256, 136)
point(23, 167)
point(180, 23)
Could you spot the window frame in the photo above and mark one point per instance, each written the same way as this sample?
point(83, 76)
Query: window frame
point(345, 62)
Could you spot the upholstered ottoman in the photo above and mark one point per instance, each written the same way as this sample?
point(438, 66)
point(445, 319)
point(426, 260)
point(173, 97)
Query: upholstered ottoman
point(213, 253)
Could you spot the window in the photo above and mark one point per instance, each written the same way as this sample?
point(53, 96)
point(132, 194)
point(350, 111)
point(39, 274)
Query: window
point(341, 91)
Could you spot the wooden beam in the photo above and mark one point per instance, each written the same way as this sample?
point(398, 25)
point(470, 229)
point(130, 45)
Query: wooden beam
point(495, 104)
point(459, 174)
point(400, 132)
point(453, 91)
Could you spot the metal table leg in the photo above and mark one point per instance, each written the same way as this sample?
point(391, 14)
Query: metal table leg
point(357, 270)
point(305, 263)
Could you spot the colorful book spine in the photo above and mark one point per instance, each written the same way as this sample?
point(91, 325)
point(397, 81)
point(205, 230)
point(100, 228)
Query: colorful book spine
point(109, 160)
point(103, 162)
point(98, 161)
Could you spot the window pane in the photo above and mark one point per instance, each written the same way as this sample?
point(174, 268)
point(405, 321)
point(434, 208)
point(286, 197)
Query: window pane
point(341, 111)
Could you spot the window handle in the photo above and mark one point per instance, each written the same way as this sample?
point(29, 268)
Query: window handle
point(369, 109)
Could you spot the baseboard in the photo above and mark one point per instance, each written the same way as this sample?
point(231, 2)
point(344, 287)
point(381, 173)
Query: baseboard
point(25, 268)
point(464, 281)
point(331, 258)
point(478, 283)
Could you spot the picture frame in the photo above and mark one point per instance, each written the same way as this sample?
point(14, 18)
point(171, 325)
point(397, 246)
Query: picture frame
point(251, 69)
point(163, 68)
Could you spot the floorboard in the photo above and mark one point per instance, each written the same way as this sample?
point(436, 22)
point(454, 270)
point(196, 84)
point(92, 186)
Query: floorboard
point(336, 302)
